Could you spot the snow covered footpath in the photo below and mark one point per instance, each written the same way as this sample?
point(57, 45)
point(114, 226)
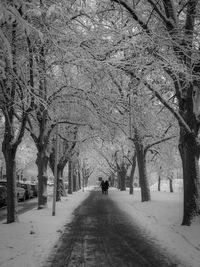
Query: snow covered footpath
point(161, 219)
point(29, 242)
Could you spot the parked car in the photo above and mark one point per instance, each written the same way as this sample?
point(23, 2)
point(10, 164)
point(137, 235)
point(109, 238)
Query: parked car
point(3, 195)
point(34, 187)
point(27, 187)
point(20, 191)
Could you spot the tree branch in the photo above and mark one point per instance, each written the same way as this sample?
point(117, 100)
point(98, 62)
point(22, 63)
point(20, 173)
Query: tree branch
point(170, 108)
point(161, 15)
point(158, 142)
point(133, 14)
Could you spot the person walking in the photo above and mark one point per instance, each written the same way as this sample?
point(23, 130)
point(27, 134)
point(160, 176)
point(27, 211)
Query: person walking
point(102, 186)
point(106, 186)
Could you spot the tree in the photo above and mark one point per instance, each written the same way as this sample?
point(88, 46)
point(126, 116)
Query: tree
point(167, 162)
point(51, 81)
point(15, 100)
point(143, 128)
point(86, 172)
point(65, 152)
point(176, 24)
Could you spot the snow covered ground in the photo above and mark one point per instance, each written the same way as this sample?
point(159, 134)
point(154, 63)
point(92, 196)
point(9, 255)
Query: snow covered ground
point(162, 218)
point(29, 242)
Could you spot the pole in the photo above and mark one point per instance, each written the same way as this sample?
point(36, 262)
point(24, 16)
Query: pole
point(55, 173)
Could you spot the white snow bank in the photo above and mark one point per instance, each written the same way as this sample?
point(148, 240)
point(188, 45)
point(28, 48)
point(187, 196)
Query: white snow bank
point(162, 219)
point(29, 242)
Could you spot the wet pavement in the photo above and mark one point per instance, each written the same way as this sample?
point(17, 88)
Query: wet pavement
point(100, 235)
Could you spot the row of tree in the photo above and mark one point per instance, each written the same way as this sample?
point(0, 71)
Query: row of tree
point(36, 90)
point(101, 69)
point(158, 47)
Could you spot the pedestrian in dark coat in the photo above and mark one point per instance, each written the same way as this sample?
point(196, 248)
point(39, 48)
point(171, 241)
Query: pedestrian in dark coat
point(106, 186)
point(102, 186)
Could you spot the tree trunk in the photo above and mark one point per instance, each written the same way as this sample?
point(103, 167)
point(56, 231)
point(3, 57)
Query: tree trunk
point(70, 177)
point(1, 172)
point(61, 192)
point(58, 187)
point(190, 152)
point(82, 180)
point(118, 179)
point(143, 179)
point(79, 178)
point(60, 166)
point(86, 180)
point(159, 182)
point(191, 181)
point(132, 174)
point(41, 162)
point(9, 154)
point(159, 178)
point(171, 185)
point(123, 177)
point(74, 177)
point(9, 145)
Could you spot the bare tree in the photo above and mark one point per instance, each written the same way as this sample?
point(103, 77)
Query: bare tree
point(15, 100)
point(178, 24)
